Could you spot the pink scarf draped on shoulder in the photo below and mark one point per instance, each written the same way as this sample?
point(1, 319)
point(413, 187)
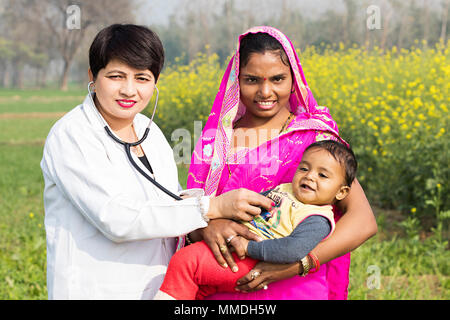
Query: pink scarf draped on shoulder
point(270, 164)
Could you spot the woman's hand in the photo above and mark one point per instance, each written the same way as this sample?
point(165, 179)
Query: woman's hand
point(265, 273)
point(216, 235)
point(356, 226)
point(239, 204)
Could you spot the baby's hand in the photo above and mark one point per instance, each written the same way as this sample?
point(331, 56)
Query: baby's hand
point(244, 243)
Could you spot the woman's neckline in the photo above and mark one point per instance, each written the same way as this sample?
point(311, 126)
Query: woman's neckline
point(238, 149)
point(252, 121)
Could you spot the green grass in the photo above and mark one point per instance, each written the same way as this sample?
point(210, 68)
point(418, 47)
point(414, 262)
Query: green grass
point(182, 175)
point(408, 268)
point(46, 100)
point(22, 235)
point(411, 265)
point(7, 92)
point(25, 130)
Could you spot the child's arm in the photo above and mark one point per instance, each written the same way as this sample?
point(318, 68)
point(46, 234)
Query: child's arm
point(294, 247)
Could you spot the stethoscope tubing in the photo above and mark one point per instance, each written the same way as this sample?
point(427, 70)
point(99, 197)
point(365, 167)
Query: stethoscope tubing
point(128, 145)
point(130, 157)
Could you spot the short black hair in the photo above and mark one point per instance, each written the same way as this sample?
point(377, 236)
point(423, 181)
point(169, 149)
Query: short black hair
point(343, 154)
point(135, 45)
point(260, 43)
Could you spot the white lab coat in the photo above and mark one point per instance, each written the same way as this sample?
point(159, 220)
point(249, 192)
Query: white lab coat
point(110, 232)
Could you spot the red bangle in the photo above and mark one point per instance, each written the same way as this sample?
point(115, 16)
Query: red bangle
point(315, 262)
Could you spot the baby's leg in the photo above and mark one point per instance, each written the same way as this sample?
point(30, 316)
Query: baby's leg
point(194, 273)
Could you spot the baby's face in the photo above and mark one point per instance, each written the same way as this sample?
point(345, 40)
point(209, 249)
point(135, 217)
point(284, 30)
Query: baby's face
point(320, 178)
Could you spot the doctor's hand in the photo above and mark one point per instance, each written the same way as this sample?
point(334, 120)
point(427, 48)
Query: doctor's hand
point(223, 236)
point(239, 204)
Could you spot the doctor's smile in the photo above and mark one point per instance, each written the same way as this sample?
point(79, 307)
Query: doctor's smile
point(126, 103)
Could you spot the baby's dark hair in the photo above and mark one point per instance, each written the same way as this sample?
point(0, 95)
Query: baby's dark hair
point(343, 154)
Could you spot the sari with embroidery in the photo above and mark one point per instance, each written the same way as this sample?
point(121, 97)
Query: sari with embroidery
point(216, 169)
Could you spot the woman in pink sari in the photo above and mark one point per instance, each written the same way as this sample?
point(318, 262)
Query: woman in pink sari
point(254, 138)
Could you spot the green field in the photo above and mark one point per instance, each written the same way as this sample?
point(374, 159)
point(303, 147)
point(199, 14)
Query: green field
point(400, 262)
point(47, 100)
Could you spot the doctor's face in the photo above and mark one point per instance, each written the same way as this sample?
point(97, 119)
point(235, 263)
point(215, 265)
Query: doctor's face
point(122, 91)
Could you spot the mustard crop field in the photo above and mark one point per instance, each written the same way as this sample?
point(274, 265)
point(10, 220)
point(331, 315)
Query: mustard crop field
point(392, 107)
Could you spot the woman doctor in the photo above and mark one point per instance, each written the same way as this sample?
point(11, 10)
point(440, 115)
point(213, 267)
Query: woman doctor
point(110, 231)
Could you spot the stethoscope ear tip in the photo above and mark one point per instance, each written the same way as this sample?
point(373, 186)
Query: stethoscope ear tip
point(90, 83)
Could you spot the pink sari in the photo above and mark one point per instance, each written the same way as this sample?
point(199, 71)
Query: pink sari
point(270, 164)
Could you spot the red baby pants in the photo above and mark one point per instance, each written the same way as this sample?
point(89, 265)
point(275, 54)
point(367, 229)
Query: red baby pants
point(194, 273)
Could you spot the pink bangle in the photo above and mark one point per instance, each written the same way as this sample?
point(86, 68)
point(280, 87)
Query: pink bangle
point(315, 262)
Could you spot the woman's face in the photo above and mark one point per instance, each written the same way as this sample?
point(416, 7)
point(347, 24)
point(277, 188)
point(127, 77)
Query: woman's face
point(265, 84)
point(122, 91)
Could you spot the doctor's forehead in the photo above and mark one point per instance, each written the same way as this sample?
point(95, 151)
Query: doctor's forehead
point(118, 66)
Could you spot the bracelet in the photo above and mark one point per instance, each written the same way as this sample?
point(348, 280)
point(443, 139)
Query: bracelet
point(188, 240)
point(315, 261)
point(203, 210)
point(306, 266)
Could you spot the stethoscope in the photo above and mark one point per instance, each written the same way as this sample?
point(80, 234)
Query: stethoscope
point(128, 145)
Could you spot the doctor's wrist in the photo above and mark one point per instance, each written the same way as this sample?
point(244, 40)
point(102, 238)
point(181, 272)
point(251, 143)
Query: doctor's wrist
point(204, 206)
point(213, 211)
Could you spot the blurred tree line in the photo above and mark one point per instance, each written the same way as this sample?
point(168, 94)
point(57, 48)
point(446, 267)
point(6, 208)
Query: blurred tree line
point(38, 44)
point(213, 26)
point(39, 36)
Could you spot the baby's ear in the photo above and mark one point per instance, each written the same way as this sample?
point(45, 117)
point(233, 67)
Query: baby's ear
point(342, 193)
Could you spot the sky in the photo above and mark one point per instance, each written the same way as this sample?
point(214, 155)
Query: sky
point(156, 11)
point(152, 12)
